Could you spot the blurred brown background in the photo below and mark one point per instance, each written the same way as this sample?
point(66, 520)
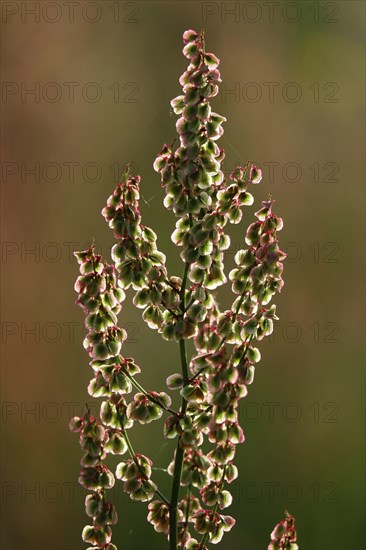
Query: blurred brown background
point(102, 75)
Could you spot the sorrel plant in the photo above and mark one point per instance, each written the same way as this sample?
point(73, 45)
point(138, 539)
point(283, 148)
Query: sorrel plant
point(212, 382)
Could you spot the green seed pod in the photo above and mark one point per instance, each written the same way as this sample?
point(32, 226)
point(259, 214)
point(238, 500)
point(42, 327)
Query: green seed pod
point(194, 393)
point(146, 493)
point(142, 298)
point(197, 275)
point(132, 485)
point(186, 423)
point(222, 454)
point(98, 387)
point(203, 420)
point(231, 472)
point(225, 326)
point(199, 235)
point(103, 535)
point(139, 412)
point(210, 495)
point(190, 49)
point(171, 427)
point(222, 399)
point(250, 327)
point(249, 375)
point(253, 354)
point(193, 125)
point(194, 205)
point(174, 381)
point(192, 96)
point(168, 331)
point(156, 296)
point(253, 234)
point(180, 327)
point(215, 473)
point(88, 534)
point(189, 255)
point(92, 504)
point(106, 515)
point(224, 499)
point(204, 110)
point(121, 470)
point(214, 341)
point(106, 479)
point(107, 412)
point(181, 204)
point(201, 525)
point(89, 460)
point(177, 105)
point(116, 444)
point(120, 383)
point(93, 448)
point(197, 312)
point(75, 424)
point(235, 214)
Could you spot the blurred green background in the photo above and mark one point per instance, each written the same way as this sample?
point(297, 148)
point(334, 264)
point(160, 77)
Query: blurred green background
point(103, 74)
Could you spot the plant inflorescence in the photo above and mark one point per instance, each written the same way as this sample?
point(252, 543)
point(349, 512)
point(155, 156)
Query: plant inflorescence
point(212, 382)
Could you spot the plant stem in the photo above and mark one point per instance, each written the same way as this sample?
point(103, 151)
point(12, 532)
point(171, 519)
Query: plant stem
point(145, 392)
point(179, 454)
point(189, 491)
point(173, 531)
point(184, 363)
point(184, 282)
point(246, 348)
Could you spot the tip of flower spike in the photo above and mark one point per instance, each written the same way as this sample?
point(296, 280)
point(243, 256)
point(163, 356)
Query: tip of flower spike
point(284, 535)
point(212, 61)
point(268, 204)
point(194, 43)
point(83, 255)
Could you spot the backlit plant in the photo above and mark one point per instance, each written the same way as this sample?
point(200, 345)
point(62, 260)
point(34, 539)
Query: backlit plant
point(212, 382)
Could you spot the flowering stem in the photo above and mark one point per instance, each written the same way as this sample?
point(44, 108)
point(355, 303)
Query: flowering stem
point(178, 464)
point(134, 458)
point(150, 397)
point(214, 510)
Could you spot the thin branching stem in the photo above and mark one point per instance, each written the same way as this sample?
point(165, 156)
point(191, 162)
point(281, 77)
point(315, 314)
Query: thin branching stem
point(189, 491)
point(146, 393)
point(134, 458)
point(179, 454)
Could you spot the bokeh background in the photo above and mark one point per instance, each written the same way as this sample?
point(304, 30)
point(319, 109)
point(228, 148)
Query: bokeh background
point(103, 74)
